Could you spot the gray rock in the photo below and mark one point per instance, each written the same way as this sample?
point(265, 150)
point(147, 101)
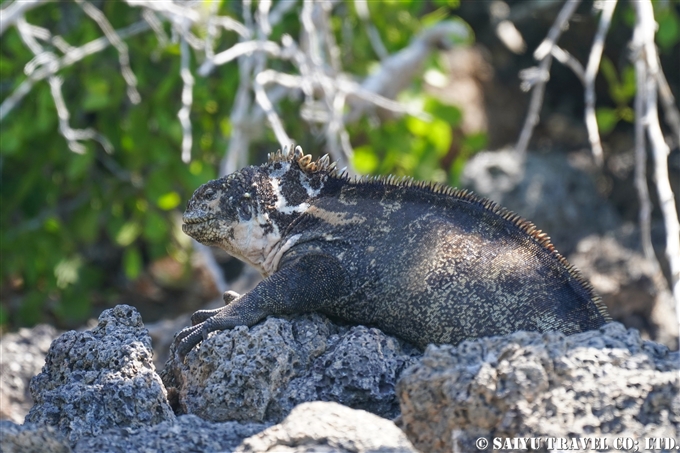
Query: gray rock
point(632, 287)
point(31, 438)
point(552, 190)
point(323, 427)
point(311, 427)
point(261, 373)
point(22, 355)
point(95, 380)
point(604, 383)
point(188, 433)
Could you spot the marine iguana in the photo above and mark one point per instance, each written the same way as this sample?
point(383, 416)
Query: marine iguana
point(423, 261)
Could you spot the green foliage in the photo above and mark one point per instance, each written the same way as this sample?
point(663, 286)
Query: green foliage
point(74, 226)
point(432, 150)
point(622, 91)
point(668, 19)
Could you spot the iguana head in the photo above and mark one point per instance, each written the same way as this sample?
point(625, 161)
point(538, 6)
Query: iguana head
point(247, 212)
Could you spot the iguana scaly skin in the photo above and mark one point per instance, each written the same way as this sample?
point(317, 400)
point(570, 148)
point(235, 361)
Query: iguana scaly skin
point(422, 261)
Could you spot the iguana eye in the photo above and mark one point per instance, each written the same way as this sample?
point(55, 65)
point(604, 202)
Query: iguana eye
point(209, 193)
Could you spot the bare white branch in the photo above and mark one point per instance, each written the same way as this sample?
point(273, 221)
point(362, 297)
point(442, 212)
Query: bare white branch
point(569, 61)
point(543, 54)
point(211, 30)
point(187, 100)
point(68, 59)
point(364, 14)
point(396, 72)
point(280, 10)
point(645, 212)
point(591, 72)
point(73, 136)
point(157, 27)
point(263, 8)
point(14, 10)
point(670, 108)
point(560, 25)
point(272, 116)
point(644, 48)
point(121, 47)
point(240, 49)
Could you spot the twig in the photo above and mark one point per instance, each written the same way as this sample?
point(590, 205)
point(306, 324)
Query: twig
point(211, 28)
point(397, 71)
point(670, 109)
point(187, 100)
point(643, 44)
point(364, 14)
point(543, 54)
point(13, 11)
point(157, 27)
point(274, 120)
point(239, 140)
point(534, 104)
point(332, 49)
point(590, 74)
point(238, 50)
point(121, 47)
point(73, 136)
point(68, 59)
point(569, 61)
point(645, 212)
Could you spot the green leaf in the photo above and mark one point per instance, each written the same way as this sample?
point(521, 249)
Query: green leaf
point(169, 201)
point(453, 4)
point(448, 113)
point(440, 136)
point(364, 159)
point(97, 94)
point(87, 224)
point(79, 165)
point(155, 227)
point(127, 234)
point(668, 33)
point(67, 271)
point(417, 126)
point(475, 142)
point(132, 263)
point(434, 17)
point(606, 119)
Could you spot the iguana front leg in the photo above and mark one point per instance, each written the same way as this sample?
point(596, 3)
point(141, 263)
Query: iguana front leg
point(201, 315)
point(307, 284)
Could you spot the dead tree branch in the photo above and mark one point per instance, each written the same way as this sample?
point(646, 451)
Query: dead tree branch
point(589, 77)
point(537, 77)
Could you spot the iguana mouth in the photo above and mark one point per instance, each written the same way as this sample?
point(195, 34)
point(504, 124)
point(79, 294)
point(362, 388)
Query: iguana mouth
point(195, 217)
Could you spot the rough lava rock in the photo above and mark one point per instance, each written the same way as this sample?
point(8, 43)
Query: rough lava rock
point(31, 438)
point(99, 379)
point(602, 383)
point(22, 355)
point(261, 373)
point(323, 427)
point(632, 287)
point(188, 433)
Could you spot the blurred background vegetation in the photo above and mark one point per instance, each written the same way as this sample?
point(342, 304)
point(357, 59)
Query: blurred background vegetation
point(81, 231)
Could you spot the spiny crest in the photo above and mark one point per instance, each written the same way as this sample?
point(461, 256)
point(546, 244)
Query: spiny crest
point(290, 154)
point(295, 154)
